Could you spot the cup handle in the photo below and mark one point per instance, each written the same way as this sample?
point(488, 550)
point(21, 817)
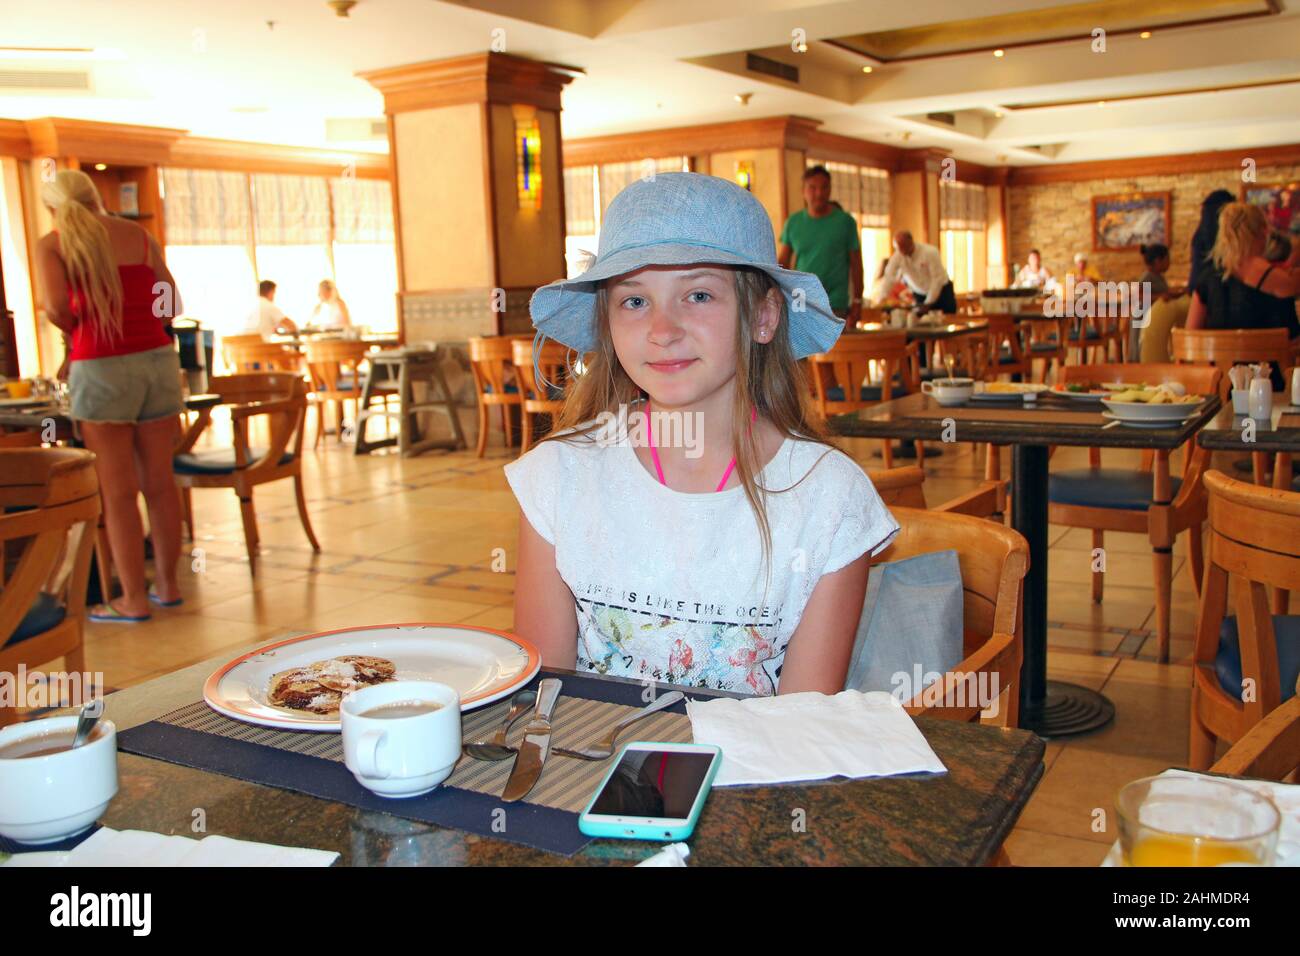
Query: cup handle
point(368, 754)
point(927, 387)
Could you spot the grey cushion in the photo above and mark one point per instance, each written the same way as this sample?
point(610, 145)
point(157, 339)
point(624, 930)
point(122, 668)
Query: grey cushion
point(912, 622)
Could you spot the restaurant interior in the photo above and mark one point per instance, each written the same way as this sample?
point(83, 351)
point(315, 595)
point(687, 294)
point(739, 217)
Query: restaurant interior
point(1052, 368)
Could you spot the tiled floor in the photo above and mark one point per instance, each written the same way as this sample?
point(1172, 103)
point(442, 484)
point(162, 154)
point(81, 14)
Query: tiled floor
point(434, 538)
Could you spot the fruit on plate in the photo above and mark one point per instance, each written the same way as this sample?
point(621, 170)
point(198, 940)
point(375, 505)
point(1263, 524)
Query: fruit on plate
point(1160, 395)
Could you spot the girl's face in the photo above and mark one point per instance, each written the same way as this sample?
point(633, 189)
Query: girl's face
point(674, 330)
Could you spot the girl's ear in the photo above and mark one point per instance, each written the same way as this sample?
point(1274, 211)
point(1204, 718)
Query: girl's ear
point(769, 316)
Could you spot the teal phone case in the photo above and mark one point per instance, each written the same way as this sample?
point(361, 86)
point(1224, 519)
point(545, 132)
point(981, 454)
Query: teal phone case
point(630, 829)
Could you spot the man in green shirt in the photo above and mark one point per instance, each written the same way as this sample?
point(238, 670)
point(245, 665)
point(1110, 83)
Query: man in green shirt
point(823, 239)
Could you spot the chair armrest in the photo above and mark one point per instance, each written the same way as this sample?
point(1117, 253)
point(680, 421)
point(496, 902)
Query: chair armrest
point(983, 502)
point(1001, 652)
point(253, 409)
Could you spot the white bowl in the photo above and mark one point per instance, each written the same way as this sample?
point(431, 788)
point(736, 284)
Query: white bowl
point(48, 799)
point(1145, 411)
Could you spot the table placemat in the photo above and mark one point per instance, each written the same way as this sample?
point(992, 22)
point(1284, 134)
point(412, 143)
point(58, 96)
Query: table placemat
point(469, 800)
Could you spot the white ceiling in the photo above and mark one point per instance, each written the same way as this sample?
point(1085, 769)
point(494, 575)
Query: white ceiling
point(218, 70)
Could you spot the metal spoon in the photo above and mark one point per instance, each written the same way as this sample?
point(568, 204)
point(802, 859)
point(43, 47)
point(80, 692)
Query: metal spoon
point(495, 748)
point(91, 711)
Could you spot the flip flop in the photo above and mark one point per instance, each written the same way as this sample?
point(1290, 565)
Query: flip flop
point(155, 599)
point(107, 614)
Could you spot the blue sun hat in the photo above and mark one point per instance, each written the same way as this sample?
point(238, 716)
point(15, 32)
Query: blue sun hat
point(680, 219)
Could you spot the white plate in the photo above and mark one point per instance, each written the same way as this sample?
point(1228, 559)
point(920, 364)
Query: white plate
point(1025, 391)
point(482, 664)
point(30, 401)
point(1081, 396)
point(1144, 411)
point(1145, 422)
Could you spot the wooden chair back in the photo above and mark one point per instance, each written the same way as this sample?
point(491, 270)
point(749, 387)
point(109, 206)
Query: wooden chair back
point(491, 359)
point(1255, 537)
point(904, 487)
point(1046, 339)
point(1004, 331)
point(969, 352)
point(229, 342)
point(1224, 348)
point(1270, 750)
point(993, 562)
point(553, 360)
point(848, 364)
point(51, 542)
point(330, 365)
point(264, 357)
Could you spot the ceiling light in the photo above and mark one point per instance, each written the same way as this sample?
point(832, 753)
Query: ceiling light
point(341, 7)
point(101, 167)
point(1101, 102)
point(999, 114)
point(743, 98)
point(1145, 35)
point(868, 69)
point(999, 53)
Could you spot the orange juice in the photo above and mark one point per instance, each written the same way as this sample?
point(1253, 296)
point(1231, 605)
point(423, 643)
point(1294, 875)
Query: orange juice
point(1186, 851)
point(19, 388)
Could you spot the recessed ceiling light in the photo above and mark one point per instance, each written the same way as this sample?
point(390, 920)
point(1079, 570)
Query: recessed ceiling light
point(999, 53)
point(101, 166)
point(743, 98)
point(999, 114)
point(1101, 102)
point(1145, 35)
point(868, 69)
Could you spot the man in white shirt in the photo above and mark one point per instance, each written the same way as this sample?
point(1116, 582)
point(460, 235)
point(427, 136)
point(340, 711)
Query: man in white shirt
point(921, 267)
point(267, 319)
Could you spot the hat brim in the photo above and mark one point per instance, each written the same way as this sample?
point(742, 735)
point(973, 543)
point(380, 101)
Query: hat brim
point(566, 310)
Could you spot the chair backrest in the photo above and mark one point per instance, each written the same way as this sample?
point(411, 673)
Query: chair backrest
point(264, 357)
point(330, 360)
point(61, 490)
point(1224, 348)
point(1270, 750)
point(1254, 536)
point(1197, 379)
point(900, 487)
point(993, 561)
point(553, 360)
point(256, 387)
point(489, 358)
point(847, 365)
point(229, 342)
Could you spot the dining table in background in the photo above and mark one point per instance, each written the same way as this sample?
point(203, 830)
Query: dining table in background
point(38, 417)
point(958, 818)
point(1049, 708)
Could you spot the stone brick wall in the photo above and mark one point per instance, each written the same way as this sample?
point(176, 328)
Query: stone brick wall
point(1056, 218)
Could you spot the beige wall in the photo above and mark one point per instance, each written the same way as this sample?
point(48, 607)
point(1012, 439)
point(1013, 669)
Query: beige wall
point(442, 195)
point(796, 162)
point(1056, 218)
point(769, 177)
point(530, 242)
point(906, 209)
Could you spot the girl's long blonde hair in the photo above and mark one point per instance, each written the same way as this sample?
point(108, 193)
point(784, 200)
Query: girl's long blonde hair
point(87, 251)
point(1241, 226)
point(768, 380)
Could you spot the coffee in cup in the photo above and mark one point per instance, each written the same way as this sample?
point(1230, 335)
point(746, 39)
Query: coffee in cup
point(402, 738)
point(950, 391)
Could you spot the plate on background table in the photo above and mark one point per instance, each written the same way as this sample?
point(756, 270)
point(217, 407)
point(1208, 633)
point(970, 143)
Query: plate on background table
point(1167, 412)
point(483, 665)
point(30, 401)
point(1145, 422)
point(1007, 391)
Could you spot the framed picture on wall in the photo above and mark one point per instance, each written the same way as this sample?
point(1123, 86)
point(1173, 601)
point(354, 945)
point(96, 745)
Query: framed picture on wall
point(1129, 220)
point(1280, 202)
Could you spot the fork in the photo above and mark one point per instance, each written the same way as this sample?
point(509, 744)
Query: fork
point(495, 748)
point(605, 749)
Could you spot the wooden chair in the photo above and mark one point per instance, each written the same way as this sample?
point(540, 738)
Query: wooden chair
point(262, 356)
point(993, 561)
point(25, 438)
point(969, 352)
point(282, 398)
point(334, 369)
point(491, 360)
point(43, 601)
point(1123, 500)
point(1270, 750)
point(905, 487)
point(1005, 350)
point(539, 399)
point(231, 342)
point(1047, 341)
point(1255, 537)
point(840, 376)
point(1224, 348)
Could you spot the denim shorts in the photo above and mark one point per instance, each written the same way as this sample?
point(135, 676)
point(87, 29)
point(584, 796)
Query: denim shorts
point(126, 389)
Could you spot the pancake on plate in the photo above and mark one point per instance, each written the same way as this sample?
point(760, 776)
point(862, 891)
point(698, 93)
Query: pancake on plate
point(319, 687)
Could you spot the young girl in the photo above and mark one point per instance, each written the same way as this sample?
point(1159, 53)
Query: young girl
point(735, 555)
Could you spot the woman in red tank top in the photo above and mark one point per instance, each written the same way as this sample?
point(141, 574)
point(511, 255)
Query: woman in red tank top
point(104, 283)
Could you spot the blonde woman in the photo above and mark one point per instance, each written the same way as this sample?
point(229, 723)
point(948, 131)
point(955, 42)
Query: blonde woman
point(1239, 288)
point(331, 311)
point(103, 282)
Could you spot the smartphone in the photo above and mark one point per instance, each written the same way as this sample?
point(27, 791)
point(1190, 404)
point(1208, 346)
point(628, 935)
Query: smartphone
point(654, 791)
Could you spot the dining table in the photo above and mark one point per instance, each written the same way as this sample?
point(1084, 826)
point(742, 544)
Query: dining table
point(1049, 708)
point(956, 818)
point(38, 414)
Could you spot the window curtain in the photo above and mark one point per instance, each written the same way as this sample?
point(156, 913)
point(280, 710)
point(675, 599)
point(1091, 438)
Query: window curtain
point(291, 210)
point(962, 206)
point(861, 191)
point(615, 177)
point(580, 200)
point(363, 210)
point(205, 207)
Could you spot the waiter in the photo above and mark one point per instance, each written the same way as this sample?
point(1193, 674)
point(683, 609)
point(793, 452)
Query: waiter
point(920, 266)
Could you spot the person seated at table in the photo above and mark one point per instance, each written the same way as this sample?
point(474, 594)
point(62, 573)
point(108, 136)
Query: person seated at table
point(1033, 274)
point(99, 277)
point(1082, 270)
point(720, 540)
point(1156, 257)
point(331, 311)
point(266, 319)
point(921, 267)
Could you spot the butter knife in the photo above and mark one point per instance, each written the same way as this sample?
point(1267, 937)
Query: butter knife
point(536, 745)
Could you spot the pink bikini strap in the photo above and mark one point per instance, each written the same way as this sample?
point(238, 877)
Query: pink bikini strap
point(654, 452)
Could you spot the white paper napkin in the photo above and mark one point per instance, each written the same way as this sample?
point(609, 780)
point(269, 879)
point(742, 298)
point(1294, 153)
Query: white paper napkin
point(674, 854)
point(811, 736)
point(1284, 795)
point(109, 847)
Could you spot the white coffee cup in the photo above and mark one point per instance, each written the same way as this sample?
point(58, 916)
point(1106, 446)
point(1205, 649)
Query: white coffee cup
point(54, 797)
point(950, 391)
point(401, 756)
point(1261, 398)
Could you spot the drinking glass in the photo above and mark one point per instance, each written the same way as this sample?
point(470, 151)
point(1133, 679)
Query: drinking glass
point(1177, 820)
